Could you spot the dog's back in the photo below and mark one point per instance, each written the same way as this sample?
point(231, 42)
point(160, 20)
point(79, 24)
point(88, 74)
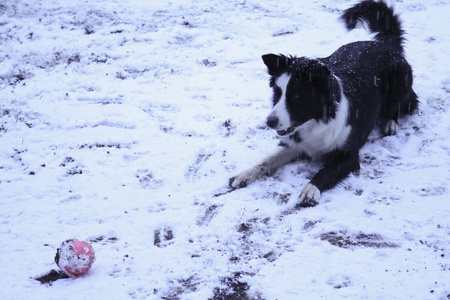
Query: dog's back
point(374, 72)
point(397, 74)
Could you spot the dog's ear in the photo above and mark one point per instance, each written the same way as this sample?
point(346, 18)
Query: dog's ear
point(316, 71)
point(317, 74)
point(275, 63)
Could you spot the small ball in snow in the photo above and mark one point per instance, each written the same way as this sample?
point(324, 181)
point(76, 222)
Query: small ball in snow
point(75, 257)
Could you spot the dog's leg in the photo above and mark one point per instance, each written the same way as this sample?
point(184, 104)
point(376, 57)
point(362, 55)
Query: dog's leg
point(336, 168)
point(281, 157)
point(400, 97)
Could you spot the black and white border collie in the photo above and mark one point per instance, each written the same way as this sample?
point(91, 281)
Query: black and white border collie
point(325, 108)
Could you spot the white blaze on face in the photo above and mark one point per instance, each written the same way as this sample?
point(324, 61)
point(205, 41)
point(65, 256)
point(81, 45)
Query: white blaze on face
point(280, 109)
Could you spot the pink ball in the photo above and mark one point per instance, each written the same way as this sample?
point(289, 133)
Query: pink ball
point(75, 257)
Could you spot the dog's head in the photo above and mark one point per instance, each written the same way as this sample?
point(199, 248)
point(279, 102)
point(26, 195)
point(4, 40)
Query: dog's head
point(301, 92)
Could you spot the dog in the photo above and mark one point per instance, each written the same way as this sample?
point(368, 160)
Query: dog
point(325, 108)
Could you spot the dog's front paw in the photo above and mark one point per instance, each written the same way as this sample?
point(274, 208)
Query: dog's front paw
point(236, 182)
point(245, 178)
point(310, 196)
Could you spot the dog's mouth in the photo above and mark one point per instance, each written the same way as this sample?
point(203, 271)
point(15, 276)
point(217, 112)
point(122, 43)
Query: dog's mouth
point(287, 131)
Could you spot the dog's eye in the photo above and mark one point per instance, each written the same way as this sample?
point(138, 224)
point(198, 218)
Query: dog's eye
point(295, 98)
point(293, 94)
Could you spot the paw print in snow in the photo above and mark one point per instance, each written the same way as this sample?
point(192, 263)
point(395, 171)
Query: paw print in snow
point(163, 237)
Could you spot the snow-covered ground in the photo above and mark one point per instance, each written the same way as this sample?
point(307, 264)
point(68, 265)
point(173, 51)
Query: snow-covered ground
point(122, 120)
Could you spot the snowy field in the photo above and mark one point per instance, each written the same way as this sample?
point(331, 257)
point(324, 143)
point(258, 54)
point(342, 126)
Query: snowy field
point(122, 120)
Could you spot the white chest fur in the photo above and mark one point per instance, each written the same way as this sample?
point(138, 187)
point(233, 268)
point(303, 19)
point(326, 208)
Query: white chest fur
point(319, 138)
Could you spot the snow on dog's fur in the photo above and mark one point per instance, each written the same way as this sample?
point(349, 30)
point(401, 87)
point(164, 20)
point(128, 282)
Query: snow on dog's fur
point(325, 108)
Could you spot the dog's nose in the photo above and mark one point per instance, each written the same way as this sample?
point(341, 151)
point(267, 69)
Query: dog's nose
point(272, 121)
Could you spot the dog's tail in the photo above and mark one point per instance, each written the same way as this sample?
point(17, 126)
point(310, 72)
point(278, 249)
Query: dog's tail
point(380, 19)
